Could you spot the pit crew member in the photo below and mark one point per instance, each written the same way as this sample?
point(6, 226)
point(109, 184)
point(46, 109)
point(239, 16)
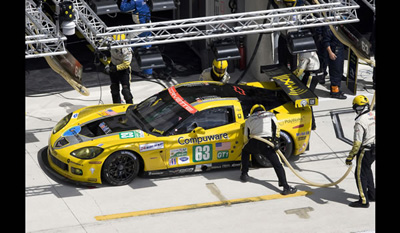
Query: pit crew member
point(119, 70)
point(335, 50)
point(140, 14)
point(218, 72)
point(310, 66)
point(364, 149)
point(263, 124)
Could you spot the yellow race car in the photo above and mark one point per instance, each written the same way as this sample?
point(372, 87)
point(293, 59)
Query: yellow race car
point(190, 127)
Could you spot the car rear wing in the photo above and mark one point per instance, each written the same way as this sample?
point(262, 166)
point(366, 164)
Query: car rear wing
point(301, 95)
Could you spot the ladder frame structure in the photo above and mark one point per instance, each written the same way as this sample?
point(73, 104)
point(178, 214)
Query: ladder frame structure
point(99, 35)
point(41, 34)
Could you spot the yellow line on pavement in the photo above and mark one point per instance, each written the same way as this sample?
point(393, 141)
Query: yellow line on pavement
point(200, 205)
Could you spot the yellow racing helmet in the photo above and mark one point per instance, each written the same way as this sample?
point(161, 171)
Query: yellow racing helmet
point(290, 3)
point(359, 103)
point(119, 37)
point(219, 67)
point(258, 107)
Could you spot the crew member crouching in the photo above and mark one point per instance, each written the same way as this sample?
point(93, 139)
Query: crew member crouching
point(263, 124)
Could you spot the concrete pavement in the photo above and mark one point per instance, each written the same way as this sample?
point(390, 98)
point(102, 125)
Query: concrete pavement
point(53, 205)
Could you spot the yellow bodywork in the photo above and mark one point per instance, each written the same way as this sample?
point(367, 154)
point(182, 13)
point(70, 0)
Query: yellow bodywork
point(157, 153)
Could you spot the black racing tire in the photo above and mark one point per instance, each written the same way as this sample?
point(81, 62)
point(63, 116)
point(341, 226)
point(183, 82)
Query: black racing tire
point(286, 147)
point(120, 168)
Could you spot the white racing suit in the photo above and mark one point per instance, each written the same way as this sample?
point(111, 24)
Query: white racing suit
point(120, 73)
point(309, 65)
point(263, 124)
point(121, 58)
point(364, 150)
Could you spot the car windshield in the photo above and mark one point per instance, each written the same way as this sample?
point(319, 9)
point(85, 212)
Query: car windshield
point(160, 112)
point(165, 110)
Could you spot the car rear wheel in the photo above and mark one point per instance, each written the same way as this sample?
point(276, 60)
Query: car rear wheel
point(286, 147)
point(120, 168)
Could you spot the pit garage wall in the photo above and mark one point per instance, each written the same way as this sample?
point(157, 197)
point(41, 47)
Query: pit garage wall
point(199, 8)
point(266, 51)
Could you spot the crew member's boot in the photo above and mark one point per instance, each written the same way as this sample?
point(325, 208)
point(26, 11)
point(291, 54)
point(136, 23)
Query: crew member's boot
point(336, 93)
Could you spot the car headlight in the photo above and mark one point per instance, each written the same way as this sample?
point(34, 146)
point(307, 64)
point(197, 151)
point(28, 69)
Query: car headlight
point(87, 152)
point(63, 122)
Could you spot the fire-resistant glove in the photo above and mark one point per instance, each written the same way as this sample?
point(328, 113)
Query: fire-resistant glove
point(349, 159)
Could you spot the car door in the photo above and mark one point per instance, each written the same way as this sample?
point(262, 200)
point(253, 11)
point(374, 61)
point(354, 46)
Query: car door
point(209, 136)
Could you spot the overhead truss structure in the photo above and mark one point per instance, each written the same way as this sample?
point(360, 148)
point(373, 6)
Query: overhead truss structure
point(99, 35)
point(370, 4)
point(41, 35)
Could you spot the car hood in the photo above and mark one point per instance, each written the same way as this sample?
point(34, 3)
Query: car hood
point(89, 123)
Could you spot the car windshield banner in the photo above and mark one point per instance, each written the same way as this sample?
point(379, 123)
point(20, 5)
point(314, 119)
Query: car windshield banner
point(182, 102)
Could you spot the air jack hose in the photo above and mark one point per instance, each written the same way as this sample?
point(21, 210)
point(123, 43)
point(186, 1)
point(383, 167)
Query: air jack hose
point(296, 173)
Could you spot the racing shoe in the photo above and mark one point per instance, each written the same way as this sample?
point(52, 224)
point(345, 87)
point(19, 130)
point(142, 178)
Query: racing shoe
point(358, 204)
point(289, 190)
point(244, 177)
point(371, 198)
point(338, 95)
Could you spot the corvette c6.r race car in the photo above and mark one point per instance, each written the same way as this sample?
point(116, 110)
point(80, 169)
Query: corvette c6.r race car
point(190, 127)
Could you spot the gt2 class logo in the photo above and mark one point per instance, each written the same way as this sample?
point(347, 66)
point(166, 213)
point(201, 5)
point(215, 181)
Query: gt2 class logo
point(202, 153)
point(223, 154)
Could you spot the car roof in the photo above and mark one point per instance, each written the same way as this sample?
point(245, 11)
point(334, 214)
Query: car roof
point(247, 95)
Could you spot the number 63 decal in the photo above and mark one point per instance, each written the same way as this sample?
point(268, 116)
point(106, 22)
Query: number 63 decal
point(202, 153)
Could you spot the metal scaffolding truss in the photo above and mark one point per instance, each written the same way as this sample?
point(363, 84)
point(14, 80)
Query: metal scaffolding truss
point(41, 36)
point(42, 39)
point(100, 36)
point(370, 4)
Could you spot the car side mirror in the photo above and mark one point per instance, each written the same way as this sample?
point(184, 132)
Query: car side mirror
point(196, 131)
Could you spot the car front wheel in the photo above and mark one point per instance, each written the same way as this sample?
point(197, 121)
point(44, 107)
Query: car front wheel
point(120, 168)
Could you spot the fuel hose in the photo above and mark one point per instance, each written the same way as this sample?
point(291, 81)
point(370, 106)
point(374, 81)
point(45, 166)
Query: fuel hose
point(296, 173)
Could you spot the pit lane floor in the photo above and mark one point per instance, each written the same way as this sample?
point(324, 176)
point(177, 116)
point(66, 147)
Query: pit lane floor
point(54, 205)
